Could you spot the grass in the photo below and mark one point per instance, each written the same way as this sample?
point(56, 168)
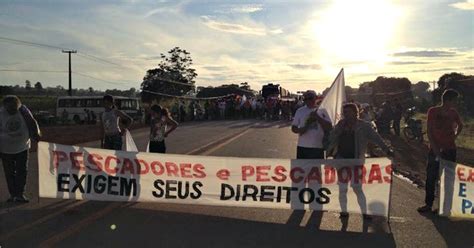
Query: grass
point(465, 140)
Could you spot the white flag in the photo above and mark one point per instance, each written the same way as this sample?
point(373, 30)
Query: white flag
point(331, 106)
point(130, 145)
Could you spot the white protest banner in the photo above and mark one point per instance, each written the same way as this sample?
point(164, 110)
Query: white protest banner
point(331, 106)
point(356, 186)
point(456, 190)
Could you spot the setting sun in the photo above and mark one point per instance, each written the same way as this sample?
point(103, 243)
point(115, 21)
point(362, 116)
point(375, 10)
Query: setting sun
point(357, 30)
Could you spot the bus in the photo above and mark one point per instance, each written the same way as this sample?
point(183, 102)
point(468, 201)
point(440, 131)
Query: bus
point(76, 108)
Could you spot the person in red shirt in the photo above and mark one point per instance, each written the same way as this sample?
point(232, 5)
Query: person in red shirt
point(443, 127)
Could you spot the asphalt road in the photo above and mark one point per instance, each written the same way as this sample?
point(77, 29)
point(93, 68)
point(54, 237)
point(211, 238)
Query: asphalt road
point(61, 223)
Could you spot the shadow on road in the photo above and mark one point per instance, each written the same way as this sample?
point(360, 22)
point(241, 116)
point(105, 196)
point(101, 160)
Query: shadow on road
point(450, 229)
point(170, 229)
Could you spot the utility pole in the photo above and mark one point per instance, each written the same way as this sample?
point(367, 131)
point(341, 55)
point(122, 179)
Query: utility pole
point(70, 76)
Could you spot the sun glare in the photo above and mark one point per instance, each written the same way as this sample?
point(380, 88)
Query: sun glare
point(359, 30)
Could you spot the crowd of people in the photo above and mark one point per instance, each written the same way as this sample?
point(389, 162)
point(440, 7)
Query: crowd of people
point(235, 107)
point(317, 137)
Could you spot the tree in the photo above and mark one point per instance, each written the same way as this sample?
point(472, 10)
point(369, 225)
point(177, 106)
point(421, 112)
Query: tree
point(91, 90)
point(245, 86)
point(461, 83)
point(28, 85)
point(174, 75)
point(420, 90)
point(132, 92)
point(38, 86)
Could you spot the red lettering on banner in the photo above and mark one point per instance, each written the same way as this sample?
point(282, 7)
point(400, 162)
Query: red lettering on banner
point(58, 156)
point(313, 175)
point(359, 174)
point(77, 160)
point(185, 169)
point(375, 174)
point(199, 171)
point(172, 169)
point(262, 173)
point(346, 177)
point(127, 166)
point(107, 164)
point(247, 170)
point(471, 176)
point(142, 166)
point(388, 171)
point(460, 172)
point(462, 176)
point(329, 174)
point(93, 159)
point(279, 176)
point(161, 168)
point(223, 174)
point(293, 177)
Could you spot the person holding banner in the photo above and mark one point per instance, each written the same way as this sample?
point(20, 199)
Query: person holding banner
point(160, 122)
point(310, 127)
point(351, 135)
point(111, 137)
point(19, 132)
point(443, 127)
point(349, 140)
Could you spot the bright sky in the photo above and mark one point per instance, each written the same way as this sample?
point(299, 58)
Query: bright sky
point(299, 44)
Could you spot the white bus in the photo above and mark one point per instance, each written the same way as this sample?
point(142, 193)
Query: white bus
point(76, 108)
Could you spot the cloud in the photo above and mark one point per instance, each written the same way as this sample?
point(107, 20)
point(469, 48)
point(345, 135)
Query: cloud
point(306, 66)
point(426, 53)
point(246, 8)
point(409, 63)
point(437, 69)
point(237, 28)
point(467, 5)
point(232, 27)
point(215, 68)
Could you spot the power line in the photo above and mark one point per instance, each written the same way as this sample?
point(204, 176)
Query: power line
point(40, 45)
point(40, 71)
point(22, 42)
point(97, 59)
point(102, 80)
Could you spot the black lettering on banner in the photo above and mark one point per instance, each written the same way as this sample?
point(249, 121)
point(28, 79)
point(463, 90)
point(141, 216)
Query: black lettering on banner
point(78, 183)
point(112, 182)
point(323, 196)
point(99, 187)
point(197, 191)
point(127, 185)
point(89, 184)
point(288, 192)
point(169, 188)
point(224, 188)
point(158, 183)
point(264, 193)
point(183, 189)
point(63, 179)
point(253, 194)
point(180, 190)
point(310, 193)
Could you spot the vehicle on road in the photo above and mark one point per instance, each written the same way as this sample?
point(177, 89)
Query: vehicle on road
point(86, 109)
point(413, 129)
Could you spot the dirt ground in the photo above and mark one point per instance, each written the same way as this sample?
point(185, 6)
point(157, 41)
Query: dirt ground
point(412, 156)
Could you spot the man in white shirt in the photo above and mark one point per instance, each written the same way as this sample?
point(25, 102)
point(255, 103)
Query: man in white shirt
point(18, 132)
point(310, 127)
